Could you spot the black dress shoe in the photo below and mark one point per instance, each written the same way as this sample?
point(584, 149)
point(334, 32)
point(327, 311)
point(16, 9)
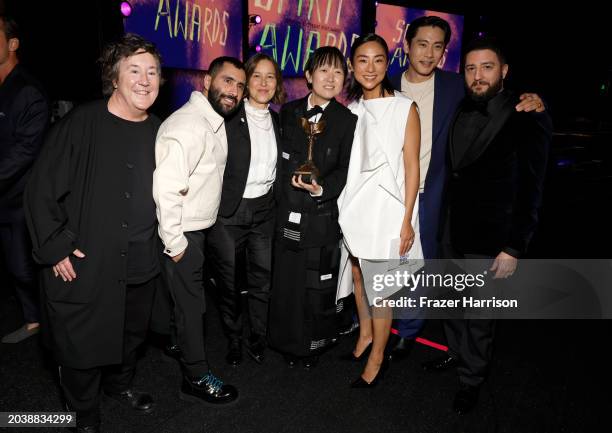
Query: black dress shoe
point(400, 348)
point(361, 383)
point(234, 352)
point(139, 401)
point(256, 348)
point(208, 388)
point(290, 360)
point(172, 351)
point(440, 364)
point(351, 355)
point(310, 361)
point(465, 399)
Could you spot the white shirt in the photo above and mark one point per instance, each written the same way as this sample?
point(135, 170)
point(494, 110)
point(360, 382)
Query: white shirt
point(262, 169)
point(423, 95)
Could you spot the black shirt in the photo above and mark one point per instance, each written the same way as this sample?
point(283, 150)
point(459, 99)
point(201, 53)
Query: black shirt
point(473, 117)
point(134, 143)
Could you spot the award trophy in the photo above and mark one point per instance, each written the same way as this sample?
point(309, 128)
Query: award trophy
point(308, 170)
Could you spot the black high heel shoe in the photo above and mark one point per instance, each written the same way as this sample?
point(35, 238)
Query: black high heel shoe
point(361, 383)
point(351, 356)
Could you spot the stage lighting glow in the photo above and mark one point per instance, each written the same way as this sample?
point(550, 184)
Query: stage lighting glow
point(254, 19)
point(258, 48)
point(126, 9)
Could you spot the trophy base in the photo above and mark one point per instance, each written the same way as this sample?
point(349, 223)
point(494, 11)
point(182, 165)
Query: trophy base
point(308, 176)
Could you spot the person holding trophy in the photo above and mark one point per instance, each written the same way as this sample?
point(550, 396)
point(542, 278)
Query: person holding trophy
point(317, 134)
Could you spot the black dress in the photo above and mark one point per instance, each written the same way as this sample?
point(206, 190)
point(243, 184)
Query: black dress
point(303, 317)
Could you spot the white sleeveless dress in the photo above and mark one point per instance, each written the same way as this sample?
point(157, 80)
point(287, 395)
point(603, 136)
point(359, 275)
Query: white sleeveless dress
point(371, 206)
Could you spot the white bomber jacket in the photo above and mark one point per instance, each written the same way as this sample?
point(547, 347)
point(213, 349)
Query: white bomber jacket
point(190, 157)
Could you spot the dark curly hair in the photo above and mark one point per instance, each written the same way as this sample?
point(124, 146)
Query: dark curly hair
point(486, 43)
point(127, 46)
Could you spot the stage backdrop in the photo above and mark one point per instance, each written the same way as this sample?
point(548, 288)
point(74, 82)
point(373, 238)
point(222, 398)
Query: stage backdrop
point(189, 33)
point(392, 23)
point(291, 30)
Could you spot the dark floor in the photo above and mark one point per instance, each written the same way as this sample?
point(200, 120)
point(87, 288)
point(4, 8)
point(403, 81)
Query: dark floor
point(547, 376)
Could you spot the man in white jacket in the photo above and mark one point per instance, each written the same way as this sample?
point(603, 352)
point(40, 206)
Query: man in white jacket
point(190, 154)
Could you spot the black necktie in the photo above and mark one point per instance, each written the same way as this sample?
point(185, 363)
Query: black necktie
point(313, 111)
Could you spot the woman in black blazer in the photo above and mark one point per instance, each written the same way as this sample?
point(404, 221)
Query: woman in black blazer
point(303, 313)
point(245, 224)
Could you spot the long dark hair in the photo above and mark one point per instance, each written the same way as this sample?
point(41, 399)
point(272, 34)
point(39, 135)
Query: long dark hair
point(355, 90)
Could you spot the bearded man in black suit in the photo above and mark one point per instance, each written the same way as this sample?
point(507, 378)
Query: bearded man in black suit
point(497, 159)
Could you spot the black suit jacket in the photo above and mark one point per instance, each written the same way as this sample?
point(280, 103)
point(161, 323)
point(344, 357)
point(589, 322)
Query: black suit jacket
point(239, 159)
point(495, 188)
point(24, 117)
point(331, 154)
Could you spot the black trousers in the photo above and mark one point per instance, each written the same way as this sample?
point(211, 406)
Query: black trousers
point(17, 252)
point(470, 340)
point(162, 316)
point(248, 232)
point(185, 280)
point(82, 386)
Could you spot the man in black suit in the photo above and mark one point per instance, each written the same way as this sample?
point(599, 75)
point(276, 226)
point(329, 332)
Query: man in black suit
point(24, 116)
point(497, 162)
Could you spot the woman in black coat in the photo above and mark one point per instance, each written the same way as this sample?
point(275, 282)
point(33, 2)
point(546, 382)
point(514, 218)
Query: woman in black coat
point(92, 219)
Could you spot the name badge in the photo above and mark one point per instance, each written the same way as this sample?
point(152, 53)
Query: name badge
point(285, 155)
point(295, 217)
point(326, 277)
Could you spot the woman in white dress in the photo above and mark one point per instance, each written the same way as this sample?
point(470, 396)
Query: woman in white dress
point(378, 207)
